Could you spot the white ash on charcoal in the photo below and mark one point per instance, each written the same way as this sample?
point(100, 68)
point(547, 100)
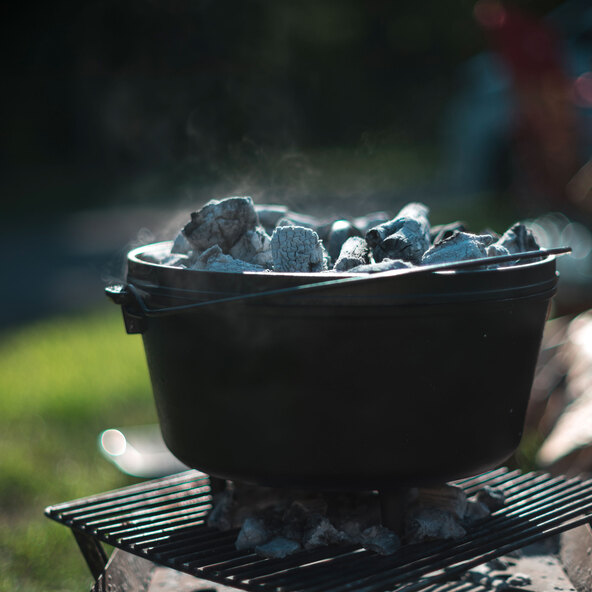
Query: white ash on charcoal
point(233, 226)
point(324, 533)
point(354, 252)
point(469, 245)
point(460, 246)
point(406, 237)
point(443, 231)
point(253, 247)
point(252, 534)
point(384, 265)
point(274, 238)
point(496, 249)
point(518, 239)
point(271, 215)
point(239, 501)
point(449, 498)
point(297, 249)
point(431, 524)
point(296, 219)
point(446, 512)
point(276, 523)
point(221, 223)
point(278, 548)
point(213, 259)
point(495, 235)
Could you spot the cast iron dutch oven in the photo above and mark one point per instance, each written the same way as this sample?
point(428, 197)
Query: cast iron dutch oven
point(376, 383)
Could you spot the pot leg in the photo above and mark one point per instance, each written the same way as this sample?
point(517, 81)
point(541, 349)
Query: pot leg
point(392, 508)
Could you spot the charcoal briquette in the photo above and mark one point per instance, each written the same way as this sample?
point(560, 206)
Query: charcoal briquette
point(381, 540)
point(254, 247)
point(278, 548)
point(458, 247)
point(221, 223)
point(213, 259)
point(297, 249)
point(406, 237)
point(354, 252)
point(443, 231)
point(518, 239)
point(384, 265)
point(252, 533)
point(339, 233)
point(428, 524)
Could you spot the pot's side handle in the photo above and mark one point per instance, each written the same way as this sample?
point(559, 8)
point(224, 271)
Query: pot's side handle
point(136, 311)
point(132, 307)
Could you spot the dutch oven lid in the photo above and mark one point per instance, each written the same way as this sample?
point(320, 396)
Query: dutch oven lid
point(457, 282)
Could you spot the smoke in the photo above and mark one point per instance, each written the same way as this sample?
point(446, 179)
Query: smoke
point(324, 181)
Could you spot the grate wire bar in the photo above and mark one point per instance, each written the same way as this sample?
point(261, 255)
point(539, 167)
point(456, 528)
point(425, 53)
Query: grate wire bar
point(165, 521)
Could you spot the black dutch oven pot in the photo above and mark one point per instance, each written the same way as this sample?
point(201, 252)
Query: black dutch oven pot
point(371, 382)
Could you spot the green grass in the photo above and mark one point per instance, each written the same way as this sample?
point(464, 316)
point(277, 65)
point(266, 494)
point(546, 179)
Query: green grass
point(62, 382)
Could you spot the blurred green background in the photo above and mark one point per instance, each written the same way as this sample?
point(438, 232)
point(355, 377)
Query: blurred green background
point(117, 116)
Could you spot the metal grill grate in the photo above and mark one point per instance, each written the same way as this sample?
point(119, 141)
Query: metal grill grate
point(164, 521)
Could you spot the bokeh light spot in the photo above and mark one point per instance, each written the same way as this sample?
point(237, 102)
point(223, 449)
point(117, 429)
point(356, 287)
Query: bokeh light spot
point(113, 442)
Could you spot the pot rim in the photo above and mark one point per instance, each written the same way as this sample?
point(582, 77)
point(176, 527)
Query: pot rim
point(134, 256)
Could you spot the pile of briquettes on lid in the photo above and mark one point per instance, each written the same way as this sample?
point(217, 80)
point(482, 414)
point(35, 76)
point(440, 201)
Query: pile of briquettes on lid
point(235, 235)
